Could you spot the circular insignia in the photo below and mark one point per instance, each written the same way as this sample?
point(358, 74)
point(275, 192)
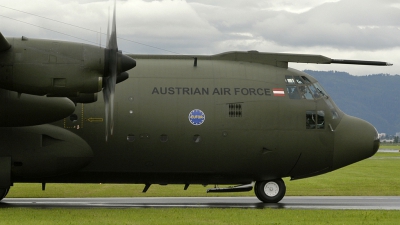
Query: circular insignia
point(197, 117)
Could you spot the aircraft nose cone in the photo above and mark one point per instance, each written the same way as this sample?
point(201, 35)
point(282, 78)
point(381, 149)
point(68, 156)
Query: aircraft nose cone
point(355, 140)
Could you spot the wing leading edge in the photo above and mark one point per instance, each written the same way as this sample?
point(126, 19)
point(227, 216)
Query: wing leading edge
point(4, 45)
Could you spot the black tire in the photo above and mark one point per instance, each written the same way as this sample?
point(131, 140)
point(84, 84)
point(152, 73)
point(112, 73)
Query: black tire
point(3, 193)
point(270, 191)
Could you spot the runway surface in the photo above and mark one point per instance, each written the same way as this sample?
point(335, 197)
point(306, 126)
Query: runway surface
point(347, 202)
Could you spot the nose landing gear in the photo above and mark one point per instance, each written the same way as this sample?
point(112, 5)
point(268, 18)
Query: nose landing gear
point(270, 191)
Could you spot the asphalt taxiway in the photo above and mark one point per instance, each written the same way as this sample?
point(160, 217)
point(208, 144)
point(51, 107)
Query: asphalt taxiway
point(346, 202)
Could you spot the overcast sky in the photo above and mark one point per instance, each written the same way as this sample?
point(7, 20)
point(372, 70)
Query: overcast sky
point(342, 29)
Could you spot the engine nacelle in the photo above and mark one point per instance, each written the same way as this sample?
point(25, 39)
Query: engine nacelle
point(53, 68)
point(84, 98)
point(27, 110)
point(43, 151)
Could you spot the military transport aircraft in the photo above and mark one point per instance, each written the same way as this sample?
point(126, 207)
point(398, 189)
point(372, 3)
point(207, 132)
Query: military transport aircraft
point(233, 118)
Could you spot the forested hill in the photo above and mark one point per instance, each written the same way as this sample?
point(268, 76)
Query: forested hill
point(374, 98)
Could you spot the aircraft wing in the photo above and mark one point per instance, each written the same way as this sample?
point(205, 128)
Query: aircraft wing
point(274, 59)
point(4, 45)
point(282, 59)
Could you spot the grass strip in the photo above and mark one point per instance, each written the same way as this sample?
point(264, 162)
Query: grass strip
point(195, 216)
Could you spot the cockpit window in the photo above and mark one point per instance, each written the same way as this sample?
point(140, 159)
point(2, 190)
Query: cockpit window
point(298, 80)
point(293, 92)
point(303, 87)
point(320, 89)
point(305, 92)
point(289, 80)
point(306, 79)
point(300, 87)
point(314, 91)
point(335, 114)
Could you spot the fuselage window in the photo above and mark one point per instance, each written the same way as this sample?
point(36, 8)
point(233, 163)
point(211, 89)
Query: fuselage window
point(130, 138)
point(315, 119)
point(164, 138)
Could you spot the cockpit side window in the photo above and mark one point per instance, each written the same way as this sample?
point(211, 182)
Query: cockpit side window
point(315, 119)
point(311, 119)
point(293, 92)
point(320, 119)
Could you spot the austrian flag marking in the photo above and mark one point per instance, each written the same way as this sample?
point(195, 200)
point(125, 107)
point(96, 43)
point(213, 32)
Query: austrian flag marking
point(278, 92)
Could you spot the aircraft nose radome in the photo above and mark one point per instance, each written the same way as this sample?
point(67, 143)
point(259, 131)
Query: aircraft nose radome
point(355, 140)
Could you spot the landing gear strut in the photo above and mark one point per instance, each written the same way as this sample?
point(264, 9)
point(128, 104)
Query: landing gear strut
point(270, 191)
point(3, 193)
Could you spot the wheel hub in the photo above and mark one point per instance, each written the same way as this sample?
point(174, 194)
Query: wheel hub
point(271, 189)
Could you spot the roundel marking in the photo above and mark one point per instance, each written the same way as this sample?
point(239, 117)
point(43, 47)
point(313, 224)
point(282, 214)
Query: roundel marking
point(197, 117)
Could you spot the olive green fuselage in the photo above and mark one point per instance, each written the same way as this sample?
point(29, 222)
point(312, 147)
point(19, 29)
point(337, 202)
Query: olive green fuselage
point(249, 133)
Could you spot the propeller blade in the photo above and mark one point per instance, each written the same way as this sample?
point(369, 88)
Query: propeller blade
point(112, 83)
point(115, 63)
point(108, 28)
point(113, 38)
point(114, 57)
point(106, 97)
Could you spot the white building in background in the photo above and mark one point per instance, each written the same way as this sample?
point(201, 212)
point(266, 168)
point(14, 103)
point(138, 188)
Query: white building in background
point(382, 135)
